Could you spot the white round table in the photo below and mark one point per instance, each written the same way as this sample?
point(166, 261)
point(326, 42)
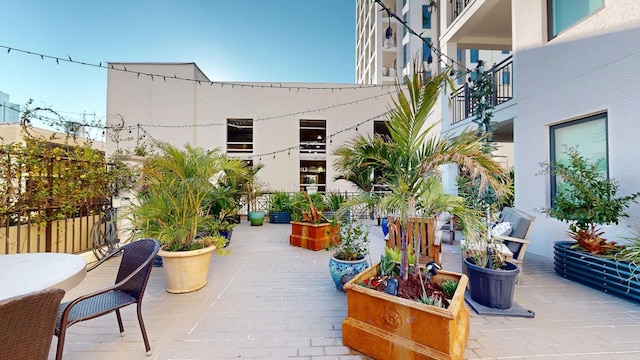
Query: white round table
point(24, 273)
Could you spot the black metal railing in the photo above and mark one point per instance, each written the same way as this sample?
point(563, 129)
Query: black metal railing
point(464, 107)
point(456, 8)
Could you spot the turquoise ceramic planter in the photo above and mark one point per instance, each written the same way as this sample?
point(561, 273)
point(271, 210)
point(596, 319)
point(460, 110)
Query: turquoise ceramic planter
point(256, 217)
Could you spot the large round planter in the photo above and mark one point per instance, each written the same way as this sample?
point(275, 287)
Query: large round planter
point(492, 288)
point(342, 270)
point(186, 271)
point(256, 217)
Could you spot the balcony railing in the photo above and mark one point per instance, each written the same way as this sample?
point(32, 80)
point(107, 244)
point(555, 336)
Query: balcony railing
point(457, 6)
point(502, 79)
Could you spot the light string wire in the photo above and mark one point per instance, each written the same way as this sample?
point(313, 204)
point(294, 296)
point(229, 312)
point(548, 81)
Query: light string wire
point(153, 76)
point(437, 51)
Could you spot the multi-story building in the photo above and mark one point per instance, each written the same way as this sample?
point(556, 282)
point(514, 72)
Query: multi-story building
point(9, 112)
point(568, 82)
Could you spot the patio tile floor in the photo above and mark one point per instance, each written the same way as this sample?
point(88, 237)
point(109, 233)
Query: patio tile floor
point(270, 300)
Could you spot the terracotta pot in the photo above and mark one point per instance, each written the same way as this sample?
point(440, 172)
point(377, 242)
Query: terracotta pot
point(384, 326)
point(186, 271)
point(312, 236)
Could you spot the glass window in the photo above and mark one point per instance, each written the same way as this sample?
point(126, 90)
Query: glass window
point(562, 14)
point(239, 135)
point(506, 78)
point(426, 17)
point(505, 51)
point(473, 55)
point(589, 135)
point(404, 54)
point(426, 50)
point(404, 28)
point(459, 55)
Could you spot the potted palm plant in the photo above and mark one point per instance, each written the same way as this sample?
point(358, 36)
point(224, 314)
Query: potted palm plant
point(382, 325)
point(171, 208)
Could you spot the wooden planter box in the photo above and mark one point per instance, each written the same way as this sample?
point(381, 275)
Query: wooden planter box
point(312, 236)
point(613, 277)
point(383, 326)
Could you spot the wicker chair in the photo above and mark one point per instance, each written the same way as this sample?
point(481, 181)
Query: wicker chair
point(27, 324)
point(131, 281)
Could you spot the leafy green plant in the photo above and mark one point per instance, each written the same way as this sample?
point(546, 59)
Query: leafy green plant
point(352, 242)
point(449, 287)
point(178, 184)
point(431, 300)
point(409, 165)
point(280, 201)
point(588, 199)
point(334, 200)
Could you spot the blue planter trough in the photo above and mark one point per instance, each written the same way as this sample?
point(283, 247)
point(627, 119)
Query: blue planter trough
point(618, 278)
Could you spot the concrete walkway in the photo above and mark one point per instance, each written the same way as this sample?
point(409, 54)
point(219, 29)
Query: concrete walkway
point(270, 300)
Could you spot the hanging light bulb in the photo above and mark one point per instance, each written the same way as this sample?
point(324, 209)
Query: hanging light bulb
point(388, 36)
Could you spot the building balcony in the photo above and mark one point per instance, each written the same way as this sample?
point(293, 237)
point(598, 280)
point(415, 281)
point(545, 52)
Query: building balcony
point(478, 24)
point(463, 106)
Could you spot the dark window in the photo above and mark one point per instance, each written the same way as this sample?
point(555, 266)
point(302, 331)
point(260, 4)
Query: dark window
point(426, 50)
point(239, 135)
point(589, 135)
point(473, 55)
point(426, 17)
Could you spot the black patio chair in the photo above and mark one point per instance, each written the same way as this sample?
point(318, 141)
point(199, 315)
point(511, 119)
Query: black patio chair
point(131, 281)
point(27, 323)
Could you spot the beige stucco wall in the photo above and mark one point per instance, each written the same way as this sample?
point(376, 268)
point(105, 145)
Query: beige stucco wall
point(183, 112)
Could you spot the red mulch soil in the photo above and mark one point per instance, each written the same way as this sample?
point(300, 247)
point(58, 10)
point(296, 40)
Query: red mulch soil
point(409, 289)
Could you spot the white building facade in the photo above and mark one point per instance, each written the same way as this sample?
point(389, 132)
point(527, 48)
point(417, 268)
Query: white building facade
point(568, 83)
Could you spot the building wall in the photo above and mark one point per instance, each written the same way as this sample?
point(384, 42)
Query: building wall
point(182, 112)
point(584, 70)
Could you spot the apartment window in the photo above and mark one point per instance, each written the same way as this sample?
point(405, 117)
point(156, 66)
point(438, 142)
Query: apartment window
point(459, 55)
point(506, 78)
point(473, 75)
point(562, 14)
point(426, 50)
point(426, 17)
point(473, 55)
point(380, 128)
point(404, 28)
point(239, 135)
point(313, 135)
point(404, 54)
point(589, 135)
point(506, 52)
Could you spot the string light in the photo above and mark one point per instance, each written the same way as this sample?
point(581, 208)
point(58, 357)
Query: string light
point(199, 81)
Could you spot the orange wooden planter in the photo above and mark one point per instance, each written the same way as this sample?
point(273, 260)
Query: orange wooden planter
point(312, 236)
point(383, 326)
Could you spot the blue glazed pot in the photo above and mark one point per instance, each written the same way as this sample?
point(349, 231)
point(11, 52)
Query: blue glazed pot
point(385, 226)
point(342, 271)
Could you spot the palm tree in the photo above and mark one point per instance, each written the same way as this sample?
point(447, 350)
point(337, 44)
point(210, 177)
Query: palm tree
point(410, 164)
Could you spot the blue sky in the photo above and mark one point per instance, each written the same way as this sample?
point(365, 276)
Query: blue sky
point(239, 40)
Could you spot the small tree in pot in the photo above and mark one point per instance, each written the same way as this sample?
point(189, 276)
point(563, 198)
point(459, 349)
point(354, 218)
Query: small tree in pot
point(588, 200)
